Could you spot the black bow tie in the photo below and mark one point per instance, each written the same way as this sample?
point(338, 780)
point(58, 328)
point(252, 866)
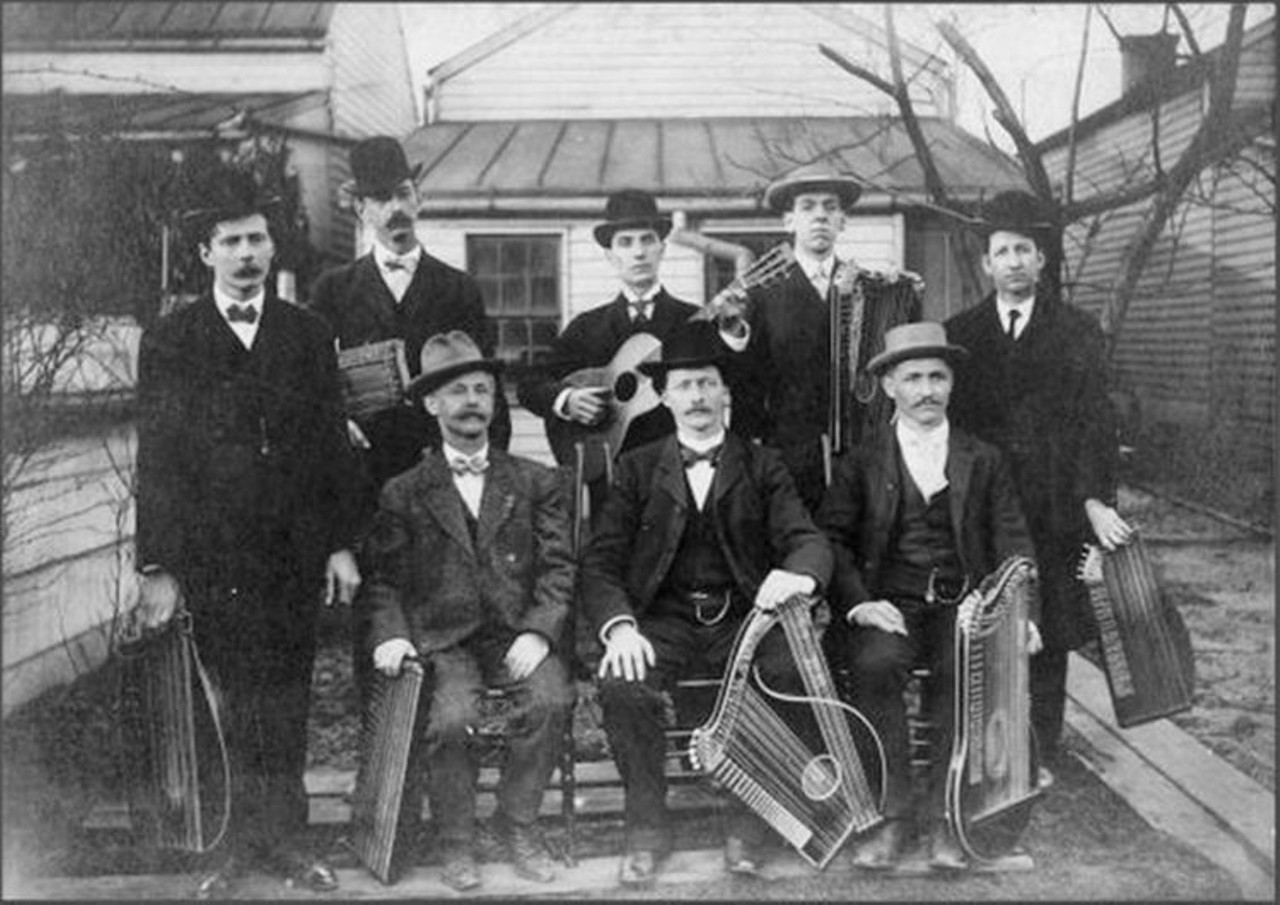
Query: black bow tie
point(406, 263)
point(244, 314)
point(691, 457)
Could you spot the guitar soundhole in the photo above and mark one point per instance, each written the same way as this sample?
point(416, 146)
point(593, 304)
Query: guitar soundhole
point(626, 387)
point(821, 777)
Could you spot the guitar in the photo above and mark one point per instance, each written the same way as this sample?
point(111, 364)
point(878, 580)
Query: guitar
point(629, 394)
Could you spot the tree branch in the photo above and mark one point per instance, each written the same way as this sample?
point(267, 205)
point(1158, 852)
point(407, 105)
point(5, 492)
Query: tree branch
point(1186, 29)
point(1068, 192)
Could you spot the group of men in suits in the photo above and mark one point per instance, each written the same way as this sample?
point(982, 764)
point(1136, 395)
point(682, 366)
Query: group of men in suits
point(256, 493)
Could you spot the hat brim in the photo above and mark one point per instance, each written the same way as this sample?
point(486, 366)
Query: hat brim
point(365, 189)
point(652, 369)
point(604, 231)
point(778, 197)
point(885, 360)
point(425, 383)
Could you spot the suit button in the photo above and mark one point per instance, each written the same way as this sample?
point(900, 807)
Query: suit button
point(511, 557)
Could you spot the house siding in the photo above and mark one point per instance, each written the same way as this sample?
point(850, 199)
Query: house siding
point(371, 89)
point(1197, 345)
point(702, 60)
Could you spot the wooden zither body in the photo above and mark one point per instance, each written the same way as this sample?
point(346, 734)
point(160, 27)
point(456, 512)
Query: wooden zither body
point(993, 776)
point(386, 752)
point(810, 765)
point(374, 377)
point(1146, 649)
point(175, 761)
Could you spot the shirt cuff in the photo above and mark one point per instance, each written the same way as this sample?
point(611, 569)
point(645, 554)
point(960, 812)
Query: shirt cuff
point(737, 343)
point(608, 626)
point(561, 405)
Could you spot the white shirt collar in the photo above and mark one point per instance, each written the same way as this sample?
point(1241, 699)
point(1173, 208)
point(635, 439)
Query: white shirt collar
point(913, 435)
point(699, 444)
point(382, 254)
point(1024, 309)
point(809, 263)
point(224, 301)
point(452, 452)
point(632, 298)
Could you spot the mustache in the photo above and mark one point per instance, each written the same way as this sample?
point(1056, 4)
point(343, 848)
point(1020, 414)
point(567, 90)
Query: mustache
point(249, 270)
point(399, 221)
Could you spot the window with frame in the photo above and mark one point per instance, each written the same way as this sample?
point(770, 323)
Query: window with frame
point(519, 277)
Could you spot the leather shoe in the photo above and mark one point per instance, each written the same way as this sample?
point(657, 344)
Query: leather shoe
point(944, 851)
point(220, 882)
point(528, 855)
point(881, 850)
point(639, 868)
point(740, 857)
point(304, 871)
point(460, 870)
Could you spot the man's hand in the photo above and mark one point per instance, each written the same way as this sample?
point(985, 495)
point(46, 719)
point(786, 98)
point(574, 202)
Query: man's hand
point(780, 585)
point(1034, 642)
point(525, 653)
point(389, 656)
point(729, 310)
point(356, 437)
point(1111, 530)
point(879, 614)
point(627, 654)
point(159, 596)
point(587, 405)
point(341, 578)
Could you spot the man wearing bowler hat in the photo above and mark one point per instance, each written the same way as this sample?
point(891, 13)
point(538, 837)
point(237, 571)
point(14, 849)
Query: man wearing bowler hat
point(1036, 388)
point(632, 236)
point(247, 492)
point(697, 529)
point(917, 517)
point(397, 291)
point(470, 569)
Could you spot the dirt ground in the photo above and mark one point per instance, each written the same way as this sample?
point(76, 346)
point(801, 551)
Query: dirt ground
point(1223, 582)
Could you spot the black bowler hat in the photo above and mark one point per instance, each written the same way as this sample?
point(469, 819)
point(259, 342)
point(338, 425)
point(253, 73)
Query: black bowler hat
point(227, 195)
point(378, 165)
point(1015, 211)
point(631, 209)
point(693, 344)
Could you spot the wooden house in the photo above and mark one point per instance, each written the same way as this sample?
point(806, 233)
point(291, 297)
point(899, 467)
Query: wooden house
point(529, 131)
point(320, 74)
point(1197, 347)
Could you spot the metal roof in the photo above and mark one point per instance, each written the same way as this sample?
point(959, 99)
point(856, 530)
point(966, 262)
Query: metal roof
point(30, 26)
point(146, 114)
point(730, 159)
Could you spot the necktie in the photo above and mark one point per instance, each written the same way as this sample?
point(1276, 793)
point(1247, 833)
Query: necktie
point(469, 464)
point(1014, 314)
point(639, 319)
point(691, 457)
point(243, 314)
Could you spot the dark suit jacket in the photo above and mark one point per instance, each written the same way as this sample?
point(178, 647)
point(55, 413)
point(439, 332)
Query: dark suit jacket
point(361, 309)
point(860, 514)
point(1043, 402)
point(590, 341)
point(245, 476)
point(759, 519)
point(428, 582)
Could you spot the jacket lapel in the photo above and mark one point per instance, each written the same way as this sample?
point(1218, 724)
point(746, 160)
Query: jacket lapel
point(731, 469)
point(444, 501)
point(669, 474)
point(883, 490)
point(498, 500)
point(960, 458)
point(373, 293)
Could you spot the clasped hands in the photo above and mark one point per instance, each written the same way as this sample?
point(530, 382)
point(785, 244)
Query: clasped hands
point(628, 654)
point(524, 655)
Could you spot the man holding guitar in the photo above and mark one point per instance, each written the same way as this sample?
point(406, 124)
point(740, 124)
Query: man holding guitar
point(592, 388)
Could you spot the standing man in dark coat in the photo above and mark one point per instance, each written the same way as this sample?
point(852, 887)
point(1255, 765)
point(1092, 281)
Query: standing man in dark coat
point(632, 237)
point(399, 291)
point(697, 529)
point(917, 516)
point(1035, 386)
point(470, 568)
point(246, 495)
point(785, 340)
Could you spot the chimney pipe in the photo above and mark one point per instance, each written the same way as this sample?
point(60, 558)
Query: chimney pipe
point(1146, 58)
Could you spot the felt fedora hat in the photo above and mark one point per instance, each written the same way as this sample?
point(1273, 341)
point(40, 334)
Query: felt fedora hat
point(631, 209)
point(448, 355)
point(924, 339)
point(693, 344)
point(378, 165)
point(811, 178)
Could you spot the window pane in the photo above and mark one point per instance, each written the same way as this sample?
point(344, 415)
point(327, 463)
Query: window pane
point(519, 277)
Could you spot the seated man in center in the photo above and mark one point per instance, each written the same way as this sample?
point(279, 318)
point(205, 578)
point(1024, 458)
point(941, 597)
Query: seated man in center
point(696, 529)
